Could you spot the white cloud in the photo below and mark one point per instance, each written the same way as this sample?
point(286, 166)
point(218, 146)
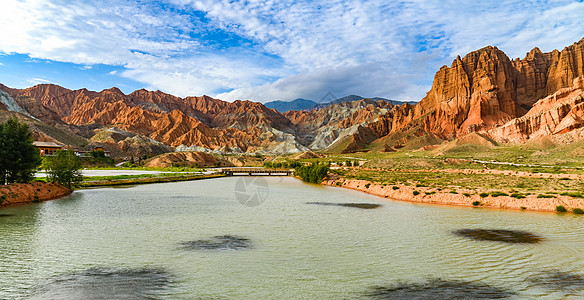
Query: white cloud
point(1, 64)
point(35, 81)
point(266, 50)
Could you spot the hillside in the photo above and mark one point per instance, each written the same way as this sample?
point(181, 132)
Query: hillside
point(508, 100)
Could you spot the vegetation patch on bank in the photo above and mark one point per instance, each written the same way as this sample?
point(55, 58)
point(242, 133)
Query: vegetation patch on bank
point(145, 179)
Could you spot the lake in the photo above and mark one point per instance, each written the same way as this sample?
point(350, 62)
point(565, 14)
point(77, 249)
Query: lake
point(279, 238)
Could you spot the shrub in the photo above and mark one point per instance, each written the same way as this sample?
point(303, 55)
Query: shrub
point(476, 203)
point(453, 192)
point(466, 194)
point(420, 185)
point(367, 185)
point(2, 198)
point(339, 183)
point(429, 193)
point(497, 194)
point(545, 196)
point(395, 187)
point(483, 195)
point(561, 208)
point(573, 194)
point(578, 211)
point(517, 195)
point(415, 193)
point(523, 208)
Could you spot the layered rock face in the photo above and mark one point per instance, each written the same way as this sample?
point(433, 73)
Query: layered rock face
point(559, 113)
point(194, 121)
point(321, 128)
point(484, 90)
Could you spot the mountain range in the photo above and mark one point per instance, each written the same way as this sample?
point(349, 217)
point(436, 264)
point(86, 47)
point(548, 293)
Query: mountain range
point(304, 104)
point(484, 93)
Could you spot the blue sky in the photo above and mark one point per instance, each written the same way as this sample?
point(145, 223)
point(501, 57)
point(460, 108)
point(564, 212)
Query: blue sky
point(267, 50)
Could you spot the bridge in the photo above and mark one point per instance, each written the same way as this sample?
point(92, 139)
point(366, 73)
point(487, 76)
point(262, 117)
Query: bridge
point(256, 172)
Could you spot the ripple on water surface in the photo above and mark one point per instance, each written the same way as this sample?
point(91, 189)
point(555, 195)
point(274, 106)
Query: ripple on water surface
point(354, 205)
point(220, 242)
point(107, 284)
point(500, 235)
point(439, 289)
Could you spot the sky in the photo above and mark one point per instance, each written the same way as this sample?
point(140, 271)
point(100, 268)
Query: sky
point(267, 50)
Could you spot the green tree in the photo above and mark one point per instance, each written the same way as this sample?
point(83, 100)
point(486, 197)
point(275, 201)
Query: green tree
point(19, 158)
point(314, 173)
point(65, 168)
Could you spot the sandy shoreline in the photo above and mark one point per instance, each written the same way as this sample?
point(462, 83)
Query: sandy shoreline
point(406, 193)
point(22, 193)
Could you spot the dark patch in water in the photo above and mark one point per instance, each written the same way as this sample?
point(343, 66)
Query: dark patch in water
point(439, 289)
point(558, 280)
point(220, 242)
point(500, 235)
point(107, 284)
point(6, 215)
point(355, 205)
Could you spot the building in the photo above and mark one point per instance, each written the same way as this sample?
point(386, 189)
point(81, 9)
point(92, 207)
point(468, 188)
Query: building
point(48, 148)
point(88, 153)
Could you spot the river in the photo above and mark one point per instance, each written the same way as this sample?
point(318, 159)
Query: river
point(204, 240)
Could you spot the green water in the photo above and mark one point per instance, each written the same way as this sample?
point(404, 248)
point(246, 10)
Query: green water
point(298, 250)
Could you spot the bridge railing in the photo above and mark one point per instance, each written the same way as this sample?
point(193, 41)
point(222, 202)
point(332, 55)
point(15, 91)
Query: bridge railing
point(256, 170)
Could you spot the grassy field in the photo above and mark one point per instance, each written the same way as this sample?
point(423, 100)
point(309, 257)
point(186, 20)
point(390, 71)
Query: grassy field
point(441, 169)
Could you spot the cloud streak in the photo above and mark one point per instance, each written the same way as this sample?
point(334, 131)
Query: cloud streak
point(268, 50)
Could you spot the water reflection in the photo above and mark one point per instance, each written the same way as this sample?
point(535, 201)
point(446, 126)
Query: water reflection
point(107, 284)
point(558, 281)
point(221, 242)
point(439, 289)
point(354, 205)
point(499, 235)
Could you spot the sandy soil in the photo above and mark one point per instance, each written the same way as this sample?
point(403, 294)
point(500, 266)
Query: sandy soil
point(21, 193)
point(405, 193)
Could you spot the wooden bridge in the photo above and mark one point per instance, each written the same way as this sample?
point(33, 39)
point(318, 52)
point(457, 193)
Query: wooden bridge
point(256, 172)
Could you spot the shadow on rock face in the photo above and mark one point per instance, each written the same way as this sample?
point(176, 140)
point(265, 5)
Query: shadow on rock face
point(439, 289)
point(6, 215)
point(355, 205)
point(107, 284)
point(500, 235)
point(221, 242)
point(558, 281)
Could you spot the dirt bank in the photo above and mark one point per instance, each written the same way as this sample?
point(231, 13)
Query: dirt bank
point(20, 193)
point(456, 197)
